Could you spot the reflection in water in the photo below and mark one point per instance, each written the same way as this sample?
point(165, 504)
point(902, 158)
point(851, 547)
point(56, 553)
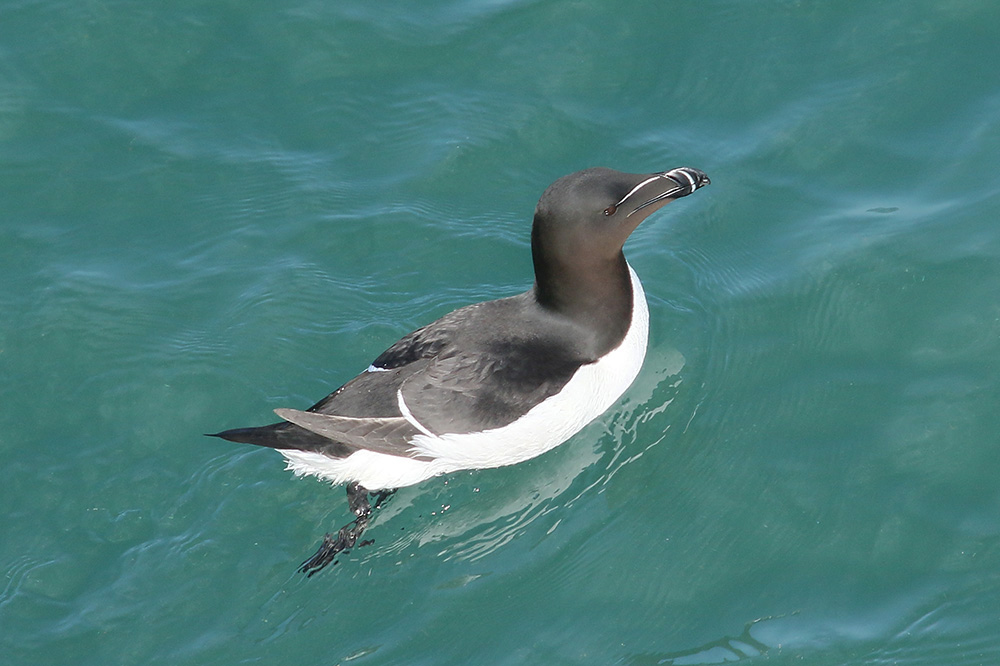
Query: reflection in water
point(723, 650)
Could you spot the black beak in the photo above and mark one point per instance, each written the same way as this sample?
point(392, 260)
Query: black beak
point(689, 178)
point(685, 180)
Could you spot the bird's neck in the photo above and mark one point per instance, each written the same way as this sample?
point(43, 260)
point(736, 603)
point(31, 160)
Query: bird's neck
point(596, 295)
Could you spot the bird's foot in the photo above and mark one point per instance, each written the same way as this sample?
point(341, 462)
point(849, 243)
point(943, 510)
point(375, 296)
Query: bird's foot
point(348, 535)
point(332, 546)
point(357, 500)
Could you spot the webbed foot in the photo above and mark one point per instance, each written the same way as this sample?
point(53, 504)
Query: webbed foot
point(348, 535)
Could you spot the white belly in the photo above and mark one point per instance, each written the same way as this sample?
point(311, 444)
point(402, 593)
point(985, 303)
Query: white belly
point(588, 394)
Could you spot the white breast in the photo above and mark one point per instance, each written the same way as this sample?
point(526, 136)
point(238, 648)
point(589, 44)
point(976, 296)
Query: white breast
point(588, 394)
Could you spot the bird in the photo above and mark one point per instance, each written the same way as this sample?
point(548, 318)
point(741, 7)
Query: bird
point(498, 382)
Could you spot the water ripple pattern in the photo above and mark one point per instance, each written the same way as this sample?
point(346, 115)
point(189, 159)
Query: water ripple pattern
point(209, 210)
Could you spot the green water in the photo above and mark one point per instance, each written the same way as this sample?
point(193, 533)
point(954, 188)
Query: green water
point(212, 209)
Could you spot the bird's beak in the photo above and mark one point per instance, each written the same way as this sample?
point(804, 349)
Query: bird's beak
point(659, 187)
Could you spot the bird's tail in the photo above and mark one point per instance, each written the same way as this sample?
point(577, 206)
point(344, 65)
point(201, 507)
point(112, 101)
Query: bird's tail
point(285, 436)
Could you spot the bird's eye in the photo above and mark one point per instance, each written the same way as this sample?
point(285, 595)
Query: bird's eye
point(610, 210)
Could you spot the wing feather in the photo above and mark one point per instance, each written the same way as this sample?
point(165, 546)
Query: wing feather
point(382, 435)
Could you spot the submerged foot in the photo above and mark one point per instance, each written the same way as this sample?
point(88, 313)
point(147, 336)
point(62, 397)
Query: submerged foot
point(348, 535)
point(333, 546)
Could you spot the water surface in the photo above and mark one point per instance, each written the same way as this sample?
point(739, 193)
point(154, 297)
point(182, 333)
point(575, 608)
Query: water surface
point(210, 210)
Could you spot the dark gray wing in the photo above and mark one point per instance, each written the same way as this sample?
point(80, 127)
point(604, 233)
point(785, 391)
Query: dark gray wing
point(373, 393)
point(382, 435)
point(488, 386)
point(431, 341)
point(477, 368)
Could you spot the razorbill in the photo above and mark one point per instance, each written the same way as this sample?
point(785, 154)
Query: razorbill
point(498, 382)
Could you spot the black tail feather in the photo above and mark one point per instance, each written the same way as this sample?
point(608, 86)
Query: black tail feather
point(285, 436)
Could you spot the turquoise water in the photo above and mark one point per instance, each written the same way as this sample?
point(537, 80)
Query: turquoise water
point(212, 209)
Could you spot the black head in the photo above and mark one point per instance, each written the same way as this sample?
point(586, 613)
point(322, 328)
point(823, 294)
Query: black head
point(595, 210)
point(581, 223)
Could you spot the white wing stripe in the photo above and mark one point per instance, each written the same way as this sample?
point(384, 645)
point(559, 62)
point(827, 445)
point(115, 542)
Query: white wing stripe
point(405, 411)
